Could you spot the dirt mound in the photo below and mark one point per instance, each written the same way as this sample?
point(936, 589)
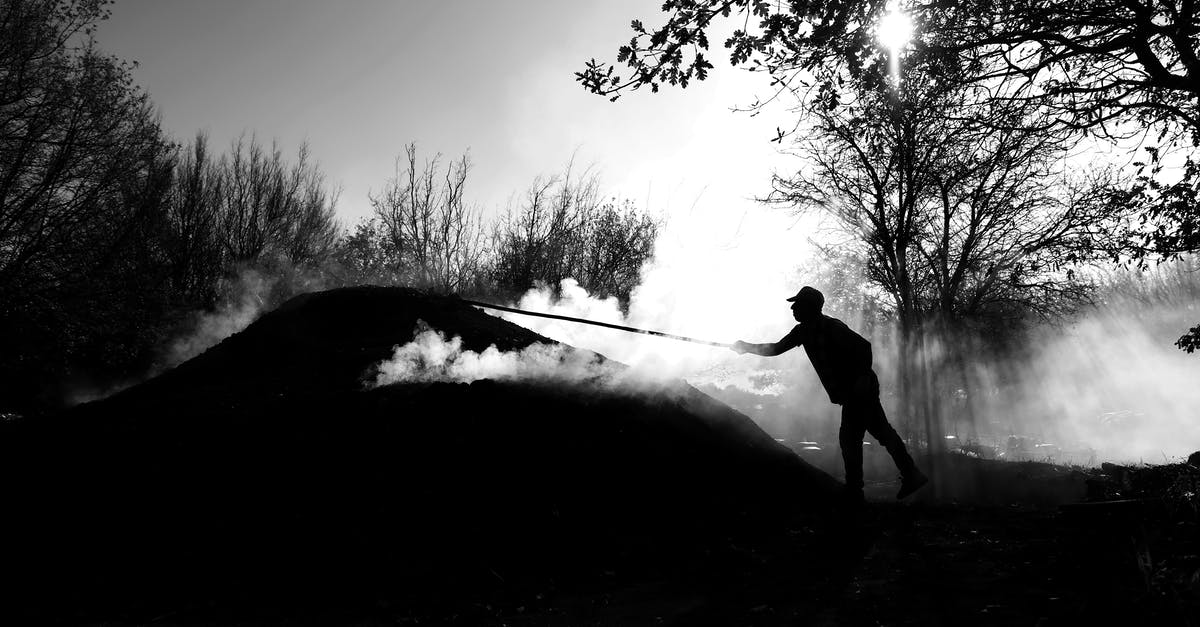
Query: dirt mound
point(265, 467)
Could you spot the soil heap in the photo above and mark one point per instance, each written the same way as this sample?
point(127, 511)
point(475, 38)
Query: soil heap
point(265, 466)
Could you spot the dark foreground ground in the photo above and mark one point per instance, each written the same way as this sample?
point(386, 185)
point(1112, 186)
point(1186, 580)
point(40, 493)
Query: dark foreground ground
point(261, 484)
point(1118, 556)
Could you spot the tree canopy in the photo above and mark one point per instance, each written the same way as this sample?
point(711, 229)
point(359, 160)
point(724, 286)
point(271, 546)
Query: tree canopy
point(1095, 62)
point(959, 221)
point(1118, 69)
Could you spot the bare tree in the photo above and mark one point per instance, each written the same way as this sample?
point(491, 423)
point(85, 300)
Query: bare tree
point(249, 208)
point(539, 240)
point(617, 243)
point(434, 237)
point(957, 221)
point(72, 130)
point(1093, 61)
point(563, 228)
point(311, 228)
point(191, 238)
point(1120, 69)
point(970, 225)
point(270, 208)
point(84, 167)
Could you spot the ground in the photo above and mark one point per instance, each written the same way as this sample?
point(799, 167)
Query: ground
point(929, 562)
point(261, 484)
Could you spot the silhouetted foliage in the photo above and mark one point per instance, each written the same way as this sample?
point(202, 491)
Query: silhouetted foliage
point(1094, 62)
point(537, 241)
point(563, 229)
point(1170, 219)
point(109, 234)
point(428, 236)
point(191, 239)
point(1115, 68)
point(618, 241)
point(362, 256)
point(83, 169)
point(962, 213)
point(114, 241)
point(249, 208)
point(272, 209)
point(425, 234)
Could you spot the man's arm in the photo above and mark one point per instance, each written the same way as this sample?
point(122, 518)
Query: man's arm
point(789, 341)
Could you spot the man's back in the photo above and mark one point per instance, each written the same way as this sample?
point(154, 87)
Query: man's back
point(841, 357)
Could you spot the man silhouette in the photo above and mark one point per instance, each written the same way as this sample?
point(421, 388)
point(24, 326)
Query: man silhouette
point(842, 359)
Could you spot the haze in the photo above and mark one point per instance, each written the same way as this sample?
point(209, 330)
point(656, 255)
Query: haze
point(360, 79)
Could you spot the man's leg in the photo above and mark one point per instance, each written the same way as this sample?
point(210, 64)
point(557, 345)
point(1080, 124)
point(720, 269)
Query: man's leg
point(850, 437)
point(879, 428)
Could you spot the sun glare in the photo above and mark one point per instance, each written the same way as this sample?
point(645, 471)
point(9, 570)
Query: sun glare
point(895, 30)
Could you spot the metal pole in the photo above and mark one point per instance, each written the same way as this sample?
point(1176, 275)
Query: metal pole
point(599, 324)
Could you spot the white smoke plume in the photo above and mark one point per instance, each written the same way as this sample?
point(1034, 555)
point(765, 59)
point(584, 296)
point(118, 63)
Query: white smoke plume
point(715, 276)
point(245, 296)
point(430, 357)
point(248, 295)
point(1109, 385)
point(1112, 380)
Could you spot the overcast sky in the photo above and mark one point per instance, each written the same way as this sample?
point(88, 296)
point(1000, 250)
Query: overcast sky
point(361, 78)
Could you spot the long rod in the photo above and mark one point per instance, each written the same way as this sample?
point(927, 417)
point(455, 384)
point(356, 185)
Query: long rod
point(599, 324)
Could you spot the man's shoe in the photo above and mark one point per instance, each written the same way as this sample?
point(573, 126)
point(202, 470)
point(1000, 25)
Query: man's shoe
point(911, 484)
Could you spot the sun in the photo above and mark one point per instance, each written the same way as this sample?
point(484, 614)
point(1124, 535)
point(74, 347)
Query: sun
point(895, 30)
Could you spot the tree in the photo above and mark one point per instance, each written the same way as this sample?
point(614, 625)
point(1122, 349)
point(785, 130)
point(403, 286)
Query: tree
point(958, 219)
point(83, 169)
point(433, 237)
point(424, 234)
point(270, 209)
point(539, 241)
point(191, 239)
point(1094, 61)
point(961, 214)
point(362, 256)
point(72, 128)
point(1115, 68)
point(617, 241)
point(562, 229)
point(1170, 219)
point(109, 233)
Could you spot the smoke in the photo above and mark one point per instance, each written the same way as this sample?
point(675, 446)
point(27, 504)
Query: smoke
point(1107, 384)
point(1112, 380)
point(716, 277)
point(697, 285)
point(247, 296)
point(431, 357)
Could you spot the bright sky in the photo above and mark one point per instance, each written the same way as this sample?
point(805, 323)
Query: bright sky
point(361, 78)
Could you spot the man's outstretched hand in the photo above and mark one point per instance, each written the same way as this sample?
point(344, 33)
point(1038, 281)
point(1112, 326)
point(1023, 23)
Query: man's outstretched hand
point(740, 347)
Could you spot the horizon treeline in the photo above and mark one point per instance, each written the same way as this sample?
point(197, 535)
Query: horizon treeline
point(114, 235)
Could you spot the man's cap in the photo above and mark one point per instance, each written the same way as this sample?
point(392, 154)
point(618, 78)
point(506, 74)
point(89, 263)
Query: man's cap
point(809, 296)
